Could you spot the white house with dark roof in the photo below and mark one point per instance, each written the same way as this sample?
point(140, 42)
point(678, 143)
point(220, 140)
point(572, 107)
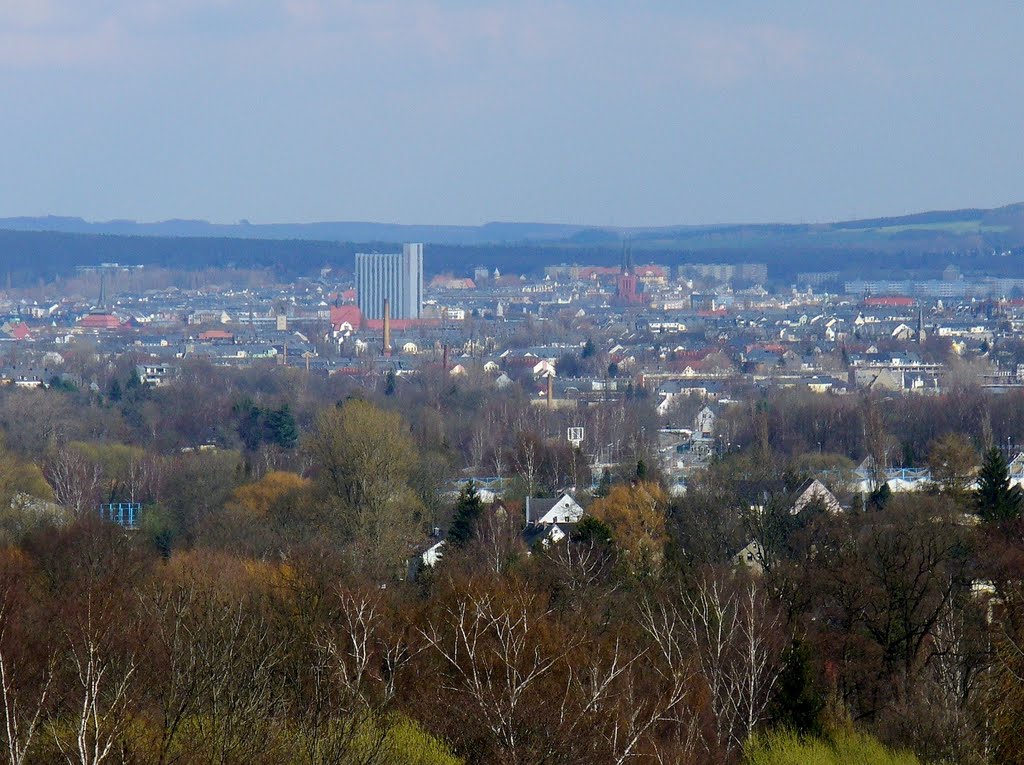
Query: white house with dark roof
point(550, 520)
point(815, 491)
point(544, 512)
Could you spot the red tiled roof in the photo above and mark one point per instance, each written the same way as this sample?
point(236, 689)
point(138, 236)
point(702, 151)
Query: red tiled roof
point(343, 314)
point(100, 321)
point(216, 334)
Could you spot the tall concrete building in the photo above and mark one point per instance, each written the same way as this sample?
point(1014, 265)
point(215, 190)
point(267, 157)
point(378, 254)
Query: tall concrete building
point(397, 277)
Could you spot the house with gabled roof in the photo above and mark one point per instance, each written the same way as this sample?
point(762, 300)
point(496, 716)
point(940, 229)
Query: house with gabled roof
point(545, 511)
point(814, 491)
point(550, 520)
point(547, 534)
point(752, 557)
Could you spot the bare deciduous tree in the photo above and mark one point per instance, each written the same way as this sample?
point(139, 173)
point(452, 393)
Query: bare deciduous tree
point(733, 634)
point(21, 720)
point(238, 653)
point(527, 459)
point(495, 662)
point(75, 479)
point(105, 690)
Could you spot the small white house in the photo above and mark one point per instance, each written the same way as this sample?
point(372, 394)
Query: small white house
point(433, 554)
point(751, 557)
point(541, 512)
point(815, 491)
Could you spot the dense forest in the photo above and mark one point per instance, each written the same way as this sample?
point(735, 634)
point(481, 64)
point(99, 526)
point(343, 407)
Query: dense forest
point(270, 608)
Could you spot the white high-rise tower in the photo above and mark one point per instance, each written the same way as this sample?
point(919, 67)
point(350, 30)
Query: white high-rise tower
point(397, 277)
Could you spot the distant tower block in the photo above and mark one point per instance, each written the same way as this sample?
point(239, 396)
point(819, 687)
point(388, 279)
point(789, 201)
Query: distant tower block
point(395, 277)
point(282, 322)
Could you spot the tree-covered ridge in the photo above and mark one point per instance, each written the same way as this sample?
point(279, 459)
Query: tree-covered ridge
point(892, 248)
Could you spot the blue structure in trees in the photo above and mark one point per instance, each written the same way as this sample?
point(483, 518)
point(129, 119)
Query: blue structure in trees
point(125, 514)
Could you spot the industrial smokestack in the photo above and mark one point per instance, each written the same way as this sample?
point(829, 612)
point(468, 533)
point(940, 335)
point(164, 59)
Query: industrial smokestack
point(387, 327)
point(551, 390)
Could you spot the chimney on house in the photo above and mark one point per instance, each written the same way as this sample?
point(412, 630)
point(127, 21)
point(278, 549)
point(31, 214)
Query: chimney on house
point(387, 327)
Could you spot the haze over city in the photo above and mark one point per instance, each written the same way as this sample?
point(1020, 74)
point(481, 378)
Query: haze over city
point(448, 111)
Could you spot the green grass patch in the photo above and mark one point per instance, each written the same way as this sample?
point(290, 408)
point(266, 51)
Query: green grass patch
point(841, 748)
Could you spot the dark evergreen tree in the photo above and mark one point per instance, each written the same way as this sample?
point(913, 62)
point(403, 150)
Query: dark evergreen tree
point(133, 384)
point(468, 509)
point(590, 529)
point(797, 704)
point(279, 427)
point(250, 423)
point(996, 499)
point(605, 484)
point(879, 497)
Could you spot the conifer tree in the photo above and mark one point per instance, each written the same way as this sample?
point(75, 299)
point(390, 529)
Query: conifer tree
point(797, 705)
point(996, 499)
point(468, 509)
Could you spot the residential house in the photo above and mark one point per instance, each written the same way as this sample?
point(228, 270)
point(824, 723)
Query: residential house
point(155, 374)
point(814, 491)
point(563, 509)
point(752, 557)
point(550, 521)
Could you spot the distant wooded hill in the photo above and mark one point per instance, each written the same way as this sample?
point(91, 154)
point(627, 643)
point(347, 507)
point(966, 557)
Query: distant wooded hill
point(970, 226)
point(911, 245)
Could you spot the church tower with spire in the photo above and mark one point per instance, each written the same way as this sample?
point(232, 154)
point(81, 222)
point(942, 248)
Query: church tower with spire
point(626, 291)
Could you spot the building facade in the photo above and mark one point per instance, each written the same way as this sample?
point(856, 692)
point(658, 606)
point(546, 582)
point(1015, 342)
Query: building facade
point(395, 277)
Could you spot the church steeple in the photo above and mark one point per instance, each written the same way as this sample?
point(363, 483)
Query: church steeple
point(626, 290)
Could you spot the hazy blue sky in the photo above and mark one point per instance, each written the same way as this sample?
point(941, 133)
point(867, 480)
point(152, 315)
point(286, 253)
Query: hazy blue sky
point(464, 111)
